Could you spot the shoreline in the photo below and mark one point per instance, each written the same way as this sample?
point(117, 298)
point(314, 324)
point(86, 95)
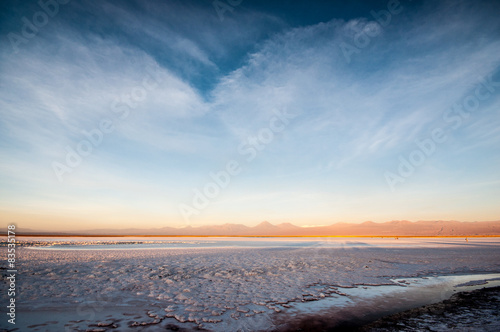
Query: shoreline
point(478, 309)
point(465, 310)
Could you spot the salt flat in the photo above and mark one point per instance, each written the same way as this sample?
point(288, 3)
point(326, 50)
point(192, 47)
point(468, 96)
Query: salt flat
point(222, 286)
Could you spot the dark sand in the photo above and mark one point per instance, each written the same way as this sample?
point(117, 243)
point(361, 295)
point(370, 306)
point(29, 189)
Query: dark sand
point(478, 310)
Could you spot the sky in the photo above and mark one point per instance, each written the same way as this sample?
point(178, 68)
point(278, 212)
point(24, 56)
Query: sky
point(146, 114)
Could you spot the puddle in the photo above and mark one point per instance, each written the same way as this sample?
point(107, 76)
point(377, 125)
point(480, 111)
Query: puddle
point(363, 303)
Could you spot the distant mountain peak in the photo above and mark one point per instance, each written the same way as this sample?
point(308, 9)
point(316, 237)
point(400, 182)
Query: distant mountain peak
point(286, 224)
point(265, 224)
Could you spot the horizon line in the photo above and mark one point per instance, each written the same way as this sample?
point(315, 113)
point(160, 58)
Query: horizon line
point(266, 236)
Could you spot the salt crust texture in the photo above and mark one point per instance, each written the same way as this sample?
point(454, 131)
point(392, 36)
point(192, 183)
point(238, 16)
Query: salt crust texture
point(219, 289)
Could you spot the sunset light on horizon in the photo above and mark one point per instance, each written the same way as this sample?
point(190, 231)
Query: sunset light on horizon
point(132, 114)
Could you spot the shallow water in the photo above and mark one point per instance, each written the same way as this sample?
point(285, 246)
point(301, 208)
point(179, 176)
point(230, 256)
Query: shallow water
point(364, 304)
point(226, 284)
point(136, 243)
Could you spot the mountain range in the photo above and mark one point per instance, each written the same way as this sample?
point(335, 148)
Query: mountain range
point(368, 228)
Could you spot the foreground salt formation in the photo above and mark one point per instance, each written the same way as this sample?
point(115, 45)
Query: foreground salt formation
point(474, 311)
point(218, 289)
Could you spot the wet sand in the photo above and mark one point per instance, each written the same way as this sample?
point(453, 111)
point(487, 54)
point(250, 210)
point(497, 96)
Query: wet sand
point(477, 310)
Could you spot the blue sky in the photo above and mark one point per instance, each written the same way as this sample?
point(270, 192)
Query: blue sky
point(324, 112)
